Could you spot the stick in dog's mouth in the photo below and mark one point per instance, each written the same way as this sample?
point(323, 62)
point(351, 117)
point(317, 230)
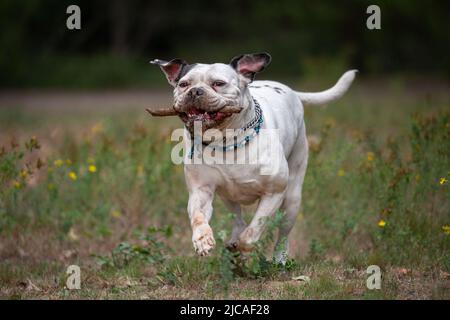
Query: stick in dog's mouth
point(167, 112)
point(162, 112)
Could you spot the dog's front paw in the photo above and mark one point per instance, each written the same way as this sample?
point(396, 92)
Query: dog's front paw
point(203, 239)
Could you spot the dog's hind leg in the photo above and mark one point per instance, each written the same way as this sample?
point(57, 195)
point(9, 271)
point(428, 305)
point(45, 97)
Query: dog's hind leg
point(238, 224)
point(291, 204)
point(267, 207)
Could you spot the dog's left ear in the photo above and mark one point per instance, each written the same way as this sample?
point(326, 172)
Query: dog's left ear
point(250, 64)
point(173, 69)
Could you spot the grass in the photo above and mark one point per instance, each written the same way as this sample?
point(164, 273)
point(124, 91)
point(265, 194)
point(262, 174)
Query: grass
point(98, 189)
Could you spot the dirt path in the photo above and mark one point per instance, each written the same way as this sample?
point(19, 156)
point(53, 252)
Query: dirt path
point(49, 99)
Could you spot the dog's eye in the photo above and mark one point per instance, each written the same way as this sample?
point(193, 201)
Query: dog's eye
point(183, 84)
point(219, 83)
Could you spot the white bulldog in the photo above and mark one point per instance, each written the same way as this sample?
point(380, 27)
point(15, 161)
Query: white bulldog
point(224, 96)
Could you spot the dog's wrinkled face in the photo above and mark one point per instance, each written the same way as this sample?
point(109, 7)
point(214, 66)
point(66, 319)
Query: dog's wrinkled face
point(205, 92)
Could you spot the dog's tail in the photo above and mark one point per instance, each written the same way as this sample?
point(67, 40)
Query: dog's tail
point(334, 93)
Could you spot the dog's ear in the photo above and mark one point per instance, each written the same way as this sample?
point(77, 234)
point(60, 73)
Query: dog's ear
point(173, 69)
point(250, 64)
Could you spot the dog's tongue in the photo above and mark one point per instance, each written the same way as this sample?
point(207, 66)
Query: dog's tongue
point(220, 116)
point(195, 111)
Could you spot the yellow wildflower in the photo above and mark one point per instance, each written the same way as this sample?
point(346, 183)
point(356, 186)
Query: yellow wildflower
point(17, 185)
point(24, 174)
point(442, 181)
point(116, 213)
point(69, 162)
point(381, 223)
point(446, 229)
point(73, 176)
point(97, 128)
point(341, 172)
point(370, 156)
point(91, 160)
point(58, 163)
point(92, 168)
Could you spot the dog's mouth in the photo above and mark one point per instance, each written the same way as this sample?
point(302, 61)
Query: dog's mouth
point(195, 114)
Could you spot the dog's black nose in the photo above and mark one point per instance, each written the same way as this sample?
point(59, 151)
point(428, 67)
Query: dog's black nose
point(196, 92)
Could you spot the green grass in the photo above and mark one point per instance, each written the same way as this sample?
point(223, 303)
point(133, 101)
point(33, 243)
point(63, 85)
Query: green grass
point(373, 157)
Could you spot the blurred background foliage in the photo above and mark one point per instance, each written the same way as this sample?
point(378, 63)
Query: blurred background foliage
point(305, 38)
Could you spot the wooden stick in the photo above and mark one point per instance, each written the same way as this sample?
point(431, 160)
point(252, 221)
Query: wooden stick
point(163, 112)
point(166, 112)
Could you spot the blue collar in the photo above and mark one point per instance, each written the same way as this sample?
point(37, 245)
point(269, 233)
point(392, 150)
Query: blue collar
point(255, 124)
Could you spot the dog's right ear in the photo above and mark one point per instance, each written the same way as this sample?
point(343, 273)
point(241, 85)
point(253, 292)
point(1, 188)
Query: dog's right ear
point(173, 69)
point(250, 64)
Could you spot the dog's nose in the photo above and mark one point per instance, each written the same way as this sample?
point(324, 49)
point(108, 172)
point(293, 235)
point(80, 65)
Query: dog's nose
point(196, 92)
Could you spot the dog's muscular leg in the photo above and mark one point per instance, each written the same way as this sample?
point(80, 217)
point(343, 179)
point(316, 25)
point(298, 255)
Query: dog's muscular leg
point(290, 207)
point(298, 162)
point(267, 207)
point(238, 224)
point(200, 212)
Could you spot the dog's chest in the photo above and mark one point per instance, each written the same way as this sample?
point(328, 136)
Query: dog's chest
point(243, 184)
point(240, 183)
point(267, 172)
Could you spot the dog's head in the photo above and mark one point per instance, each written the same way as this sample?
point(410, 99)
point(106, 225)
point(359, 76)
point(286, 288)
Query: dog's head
point(211, 93)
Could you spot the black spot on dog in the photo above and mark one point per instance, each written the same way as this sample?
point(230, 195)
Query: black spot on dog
point(277, 89)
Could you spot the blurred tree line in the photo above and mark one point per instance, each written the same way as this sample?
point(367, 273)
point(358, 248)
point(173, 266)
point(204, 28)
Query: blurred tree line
point(118, 38)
